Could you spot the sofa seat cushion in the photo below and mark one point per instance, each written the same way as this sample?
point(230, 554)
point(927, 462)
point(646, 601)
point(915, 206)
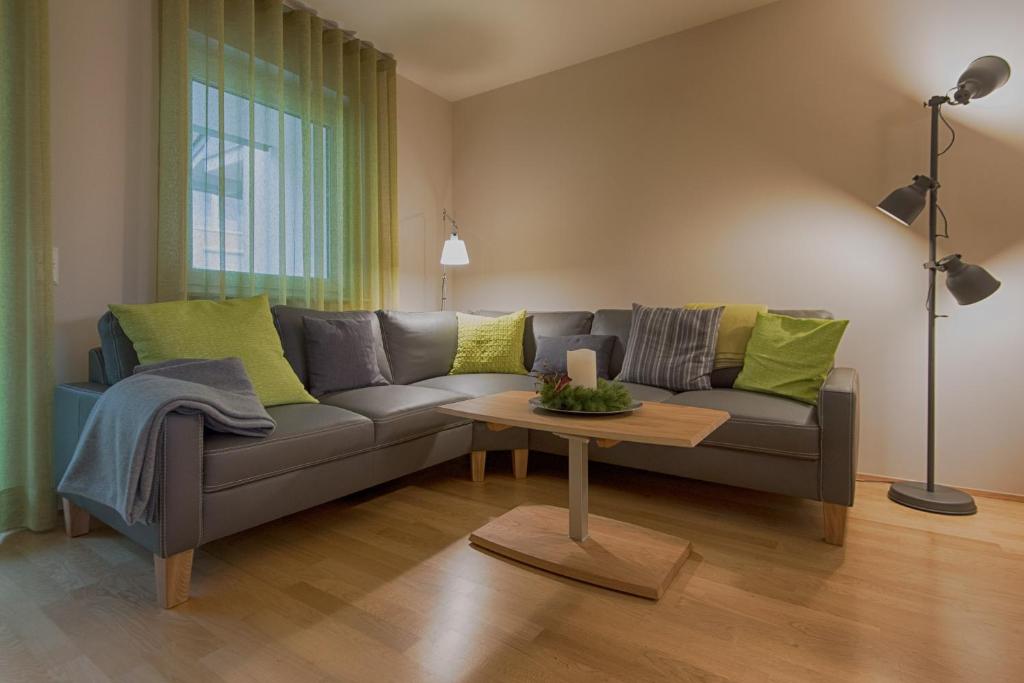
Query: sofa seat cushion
point(483, 384)
point(642, 392)
point(480, 383)
point(399, 412)
point(306, 435)
point(759, 422)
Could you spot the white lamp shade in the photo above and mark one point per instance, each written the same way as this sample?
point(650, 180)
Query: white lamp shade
point(454, 252)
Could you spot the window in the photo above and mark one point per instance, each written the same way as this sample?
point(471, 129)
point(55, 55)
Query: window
point(267, 185)
point(277, 158)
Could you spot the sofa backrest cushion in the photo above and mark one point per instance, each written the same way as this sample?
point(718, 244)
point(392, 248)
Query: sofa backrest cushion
point(419, 345)
point(288, 320)
point(617, 321)
point(119, 357)
point(97, 373)
point(548, 324)
point(803, 313)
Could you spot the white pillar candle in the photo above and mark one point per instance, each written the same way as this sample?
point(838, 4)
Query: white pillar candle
point(581, 365)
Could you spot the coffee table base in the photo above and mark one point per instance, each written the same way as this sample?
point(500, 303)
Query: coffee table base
point(616, 555)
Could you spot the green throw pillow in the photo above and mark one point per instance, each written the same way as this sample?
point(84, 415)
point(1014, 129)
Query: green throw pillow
point(790, 356)
point(490, 344)
point(216, 329)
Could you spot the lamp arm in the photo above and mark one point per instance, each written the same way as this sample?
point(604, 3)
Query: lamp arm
point(447, 218)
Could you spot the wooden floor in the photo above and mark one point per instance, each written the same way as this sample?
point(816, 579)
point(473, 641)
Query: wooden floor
point(383, 586)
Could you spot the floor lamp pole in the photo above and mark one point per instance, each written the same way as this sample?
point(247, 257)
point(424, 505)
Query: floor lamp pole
point(933, 236)
point(928, 495)
point(444, 286)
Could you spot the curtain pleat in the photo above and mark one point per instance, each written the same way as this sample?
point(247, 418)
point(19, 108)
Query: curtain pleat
point(174, 152)
point(387, 154)
point(354, 180)
point(277, 158)
point(26, 248)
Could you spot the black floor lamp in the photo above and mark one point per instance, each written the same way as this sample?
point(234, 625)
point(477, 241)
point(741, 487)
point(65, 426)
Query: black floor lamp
point(967, 283)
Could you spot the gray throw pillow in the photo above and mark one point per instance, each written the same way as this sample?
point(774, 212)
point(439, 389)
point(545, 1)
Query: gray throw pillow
point(550, 357)
point(671, 348)
point(341, 354)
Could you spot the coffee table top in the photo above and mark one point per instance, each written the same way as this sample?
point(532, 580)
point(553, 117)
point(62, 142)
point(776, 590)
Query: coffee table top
point(664, 424)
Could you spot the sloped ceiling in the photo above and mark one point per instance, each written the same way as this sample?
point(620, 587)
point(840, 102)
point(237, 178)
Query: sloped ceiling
point(459, 48)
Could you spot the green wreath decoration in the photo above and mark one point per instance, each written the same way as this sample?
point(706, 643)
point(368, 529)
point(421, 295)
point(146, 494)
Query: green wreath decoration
point(557, 394)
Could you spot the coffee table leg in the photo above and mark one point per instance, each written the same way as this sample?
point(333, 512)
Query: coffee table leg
point(578, 486)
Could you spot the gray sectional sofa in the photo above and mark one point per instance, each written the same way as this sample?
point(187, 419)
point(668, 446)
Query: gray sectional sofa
point(214, 484)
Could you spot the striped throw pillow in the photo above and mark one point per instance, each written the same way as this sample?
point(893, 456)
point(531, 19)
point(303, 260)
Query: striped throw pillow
point(671, 348)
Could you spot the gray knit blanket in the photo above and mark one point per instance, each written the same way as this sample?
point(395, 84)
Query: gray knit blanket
point(117, 463)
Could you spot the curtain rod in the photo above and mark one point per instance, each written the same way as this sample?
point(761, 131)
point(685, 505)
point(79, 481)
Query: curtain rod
point(303, 7)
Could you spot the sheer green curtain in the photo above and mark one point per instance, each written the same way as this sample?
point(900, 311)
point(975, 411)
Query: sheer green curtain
point(26, 307)
point(277, 158)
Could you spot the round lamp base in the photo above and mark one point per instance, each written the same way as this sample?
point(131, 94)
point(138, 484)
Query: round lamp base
point(943, 500)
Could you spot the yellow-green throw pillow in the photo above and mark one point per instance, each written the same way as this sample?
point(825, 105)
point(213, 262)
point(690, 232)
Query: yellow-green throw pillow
point(216, 329)
point(733, 331)
point(790, 356)
point(490, 344)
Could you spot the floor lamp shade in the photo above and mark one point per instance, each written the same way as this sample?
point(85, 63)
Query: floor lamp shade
point(967, 282)
point(981, 77)
point(907, 203)
point(454, 252)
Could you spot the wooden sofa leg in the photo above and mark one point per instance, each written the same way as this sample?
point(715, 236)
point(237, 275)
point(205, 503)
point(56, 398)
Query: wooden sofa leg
point(835, 523)
point(173, 576)
point(479, 462)
point(520, 457)
point(76, 520)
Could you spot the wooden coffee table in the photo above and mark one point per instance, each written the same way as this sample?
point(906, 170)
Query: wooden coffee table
point(590, 548)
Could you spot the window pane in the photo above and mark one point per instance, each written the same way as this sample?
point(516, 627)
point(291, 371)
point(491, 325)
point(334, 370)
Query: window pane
point(244, 211)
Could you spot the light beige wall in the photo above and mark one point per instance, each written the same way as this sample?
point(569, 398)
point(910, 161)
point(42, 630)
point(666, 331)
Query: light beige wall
point(103, 153)
point(424, 189)
point(104, 130)
point(740, 161)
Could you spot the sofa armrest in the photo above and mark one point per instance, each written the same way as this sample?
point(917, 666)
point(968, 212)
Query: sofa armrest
point(179, 518)
point(71, 408)
point(839, 419)
point(181, 494)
